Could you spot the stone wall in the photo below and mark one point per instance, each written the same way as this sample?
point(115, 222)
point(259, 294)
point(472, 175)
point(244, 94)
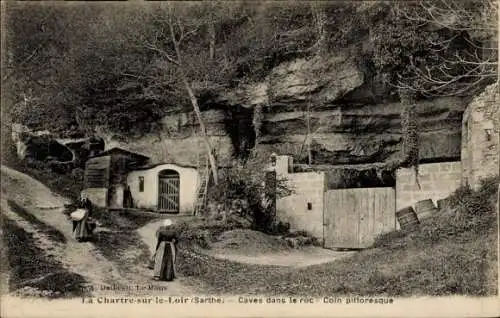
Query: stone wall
point(481, 137)
point(98, 196)
point(304, 208)
point(437, 181)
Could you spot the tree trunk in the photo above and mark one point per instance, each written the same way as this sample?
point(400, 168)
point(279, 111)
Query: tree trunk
point(196, 108)
point(211, 32)
point(309, 155)
point(194, 102)
point(309, 137)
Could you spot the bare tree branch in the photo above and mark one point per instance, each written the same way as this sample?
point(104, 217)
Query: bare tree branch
point(169, 58)
point(454, 69)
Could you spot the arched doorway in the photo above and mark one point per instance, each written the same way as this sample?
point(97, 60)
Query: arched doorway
point(168, 191)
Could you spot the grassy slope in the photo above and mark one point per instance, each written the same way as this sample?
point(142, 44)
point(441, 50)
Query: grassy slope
point(31, 266)
point(63, 184)
point(449, 256)
point(51, 232)
point(27, 264)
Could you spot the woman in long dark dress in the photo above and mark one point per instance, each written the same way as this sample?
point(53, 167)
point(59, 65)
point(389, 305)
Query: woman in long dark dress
point(83, 228)
point(163, 261)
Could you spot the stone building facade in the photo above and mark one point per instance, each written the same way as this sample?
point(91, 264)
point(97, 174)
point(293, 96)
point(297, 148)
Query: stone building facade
point(481, 137)
point(179, 187)
point(303, 210)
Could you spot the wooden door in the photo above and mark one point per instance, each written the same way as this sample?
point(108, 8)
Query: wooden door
point(341, 226)
point(354, 217)
point(168, 192)
point(377, 214)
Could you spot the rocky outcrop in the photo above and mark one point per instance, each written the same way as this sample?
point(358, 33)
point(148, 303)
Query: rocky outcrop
point(315, 80)
point(370, 133)
point(341, 134)
point(44, 145)
point(481, 137)
point(176, 139)
point(349, 123)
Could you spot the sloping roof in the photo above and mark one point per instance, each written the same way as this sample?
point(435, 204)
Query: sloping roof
point(117, 150)
point(151, 166)
point(67, 141)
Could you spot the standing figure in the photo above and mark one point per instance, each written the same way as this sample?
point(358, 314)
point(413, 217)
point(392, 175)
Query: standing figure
point(83, 224)
point(163, 261)
point(128, 201)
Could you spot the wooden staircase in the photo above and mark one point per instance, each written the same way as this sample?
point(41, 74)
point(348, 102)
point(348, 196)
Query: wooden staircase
point(201, 195)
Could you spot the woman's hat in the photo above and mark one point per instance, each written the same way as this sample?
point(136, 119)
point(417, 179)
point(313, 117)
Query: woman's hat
point(167, 222)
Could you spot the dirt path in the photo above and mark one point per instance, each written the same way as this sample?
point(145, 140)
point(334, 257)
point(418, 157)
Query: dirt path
point(81, 258)
point(302, 257)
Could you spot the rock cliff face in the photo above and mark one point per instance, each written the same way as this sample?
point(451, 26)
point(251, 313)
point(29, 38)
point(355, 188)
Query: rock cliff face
point(291, 84)
point(365, 134)
point(347, 125)
point(352, 119)
point(176, 139)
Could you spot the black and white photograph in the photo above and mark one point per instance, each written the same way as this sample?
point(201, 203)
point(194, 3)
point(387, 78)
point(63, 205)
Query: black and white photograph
point(282, 158)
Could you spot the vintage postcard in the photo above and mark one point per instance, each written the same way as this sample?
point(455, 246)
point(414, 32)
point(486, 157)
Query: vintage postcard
point(250, 159)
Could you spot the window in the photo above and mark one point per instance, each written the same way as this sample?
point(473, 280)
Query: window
point(141, 184)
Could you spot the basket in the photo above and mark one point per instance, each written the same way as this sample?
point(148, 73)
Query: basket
point(78, 215)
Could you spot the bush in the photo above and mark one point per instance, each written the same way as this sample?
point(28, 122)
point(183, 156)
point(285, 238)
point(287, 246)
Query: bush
point(470, 202)
point(475, 215)
point(241, 191)
point(301, 238)
point(277, 228)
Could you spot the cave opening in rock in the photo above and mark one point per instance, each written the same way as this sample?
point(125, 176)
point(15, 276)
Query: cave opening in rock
point(239, 126)
point(43, 148)
point(360, 178)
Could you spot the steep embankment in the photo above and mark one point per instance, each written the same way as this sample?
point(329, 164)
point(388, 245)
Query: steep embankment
point(41, 247)
point(30, 207)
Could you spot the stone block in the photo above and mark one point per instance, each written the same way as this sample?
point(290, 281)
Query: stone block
point(426, 176)
point(403, 178)
point(410, 187)
point(403, 196)
point(429, 168)
point(445, 167)
point(403, 172)
point(427, 186)
point(98, 196)
point(456, 166)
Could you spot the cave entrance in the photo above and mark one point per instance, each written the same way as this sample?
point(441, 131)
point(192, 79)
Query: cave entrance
point(239, 125)
point(43, 148)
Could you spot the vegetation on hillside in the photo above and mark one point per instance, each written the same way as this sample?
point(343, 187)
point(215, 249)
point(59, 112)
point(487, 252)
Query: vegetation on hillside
point(242, 193)
point(70, 66)
point(68, 183)
point(38, 270)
